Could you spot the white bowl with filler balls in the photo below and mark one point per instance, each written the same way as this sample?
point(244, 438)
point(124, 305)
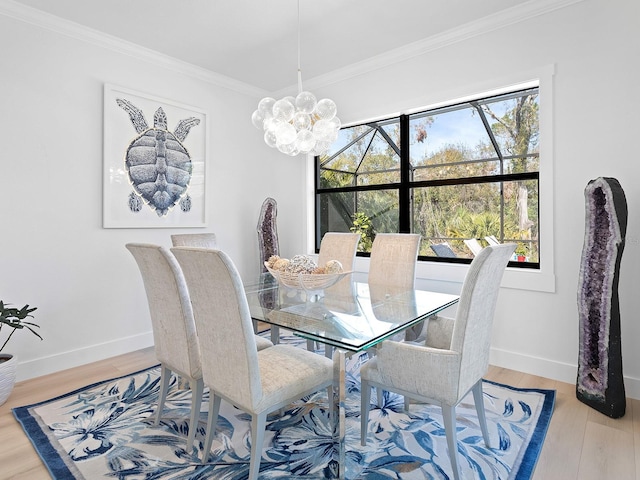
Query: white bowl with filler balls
point(303, 273)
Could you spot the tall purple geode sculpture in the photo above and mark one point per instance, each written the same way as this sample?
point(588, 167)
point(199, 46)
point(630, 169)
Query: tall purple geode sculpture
point(268, 245)
point(600, 383)
point(268, 231)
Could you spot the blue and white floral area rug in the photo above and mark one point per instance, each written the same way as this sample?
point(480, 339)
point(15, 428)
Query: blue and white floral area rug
point(106, 431)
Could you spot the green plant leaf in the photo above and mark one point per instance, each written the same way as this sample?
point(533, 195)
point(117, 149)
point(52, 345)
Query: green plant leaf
point(14, 318)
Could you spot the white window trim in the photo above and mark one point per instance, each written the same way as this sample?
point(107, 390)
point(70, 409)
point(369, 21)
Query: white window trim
point(543, 279)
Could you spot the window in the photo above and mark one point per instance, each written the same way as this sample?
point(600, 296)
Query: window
point(462, 176)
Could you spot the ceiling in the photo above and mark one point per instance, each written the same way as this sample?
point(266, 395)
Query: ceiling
point(255, 41)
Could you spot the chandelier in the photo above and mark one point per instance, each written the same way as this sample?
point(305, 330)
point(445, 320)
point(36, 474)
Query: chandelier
point(298, 124)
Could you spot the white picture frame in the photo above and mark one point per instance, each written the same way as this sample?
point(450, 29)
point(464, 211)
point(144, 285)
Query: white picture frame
point(141, 201)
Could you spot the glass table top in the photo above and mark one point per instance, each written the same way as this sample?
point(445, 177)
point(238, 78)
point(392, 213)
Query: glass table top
point(350, 315)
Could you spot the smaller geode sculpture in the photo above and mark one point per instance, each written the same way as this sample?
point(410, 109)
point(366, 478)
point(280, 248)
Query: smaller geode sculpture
point(600, 383)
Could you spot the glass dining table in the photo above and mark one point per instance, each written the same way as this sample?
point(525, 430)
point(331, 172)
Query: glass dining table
point(351, 317)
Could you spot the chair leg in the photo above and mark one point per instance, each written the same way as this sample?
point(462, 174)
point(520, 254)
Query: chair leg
point(197, 386)
point(212, 419)
point(165, 376)
point(275, 334)
point(449, 417)
point(379, 394)
point(365, 401)
point(478, 399)
point(258, 426)
point(312, 346)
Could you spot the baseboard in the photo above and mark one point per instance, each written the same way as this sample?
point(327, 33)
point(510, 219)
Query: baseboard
point(74, 358)
point(563, 372)
point(542, 367)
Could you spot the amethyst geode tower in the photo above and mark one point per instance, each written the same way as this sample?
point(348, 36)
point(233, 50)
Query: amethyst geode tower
point(600, 383)
point(268, 231)
point(268, 242)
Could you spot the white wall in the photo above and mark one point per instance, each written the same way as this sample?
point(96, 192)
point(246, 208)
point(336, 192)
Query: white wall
point(56, 255)
point(594, 49)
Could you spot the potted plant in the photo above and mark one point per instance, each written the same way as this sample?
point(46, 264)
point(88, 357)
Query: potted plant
point(521, 252)
point(362, 225)
point(13, 319)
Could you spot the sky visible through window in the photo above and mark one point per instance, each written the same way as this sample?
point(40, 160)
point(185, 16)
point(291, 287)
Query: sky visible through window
point(449, 128)
point(472, 174)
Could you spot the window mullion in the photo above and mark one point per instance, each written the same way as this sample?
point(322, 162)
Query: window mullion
point(404, 194)
point(462, 188)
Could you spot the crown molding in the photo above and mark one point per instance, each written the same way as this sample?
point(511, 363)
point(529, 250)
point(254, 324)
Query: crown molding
point(504, 18)
point(79, 32)
point(510, 16)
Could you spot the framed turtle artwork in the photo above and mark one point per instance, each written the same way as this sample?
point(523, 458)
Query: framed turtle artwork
point(155, 153)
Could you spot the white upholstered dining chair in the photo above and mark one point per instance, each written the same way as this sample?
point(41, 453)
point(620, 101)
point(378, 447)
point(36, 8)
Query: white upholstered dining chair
point(257, 382)
point(393, 259)
point(451, 357)
point(392, 268)
point(174, 330)
point(209, 240)
point(342, 247)
point(201, 240)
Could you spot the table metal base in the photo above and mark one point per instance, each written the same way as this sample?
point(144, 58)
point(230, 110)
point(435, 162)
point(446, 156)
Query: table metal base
point(338, 407)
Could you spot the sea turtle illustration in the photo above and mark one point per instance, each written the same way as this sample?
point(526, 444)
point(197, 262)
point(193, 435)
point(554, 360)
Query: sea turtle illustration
point(158, 164)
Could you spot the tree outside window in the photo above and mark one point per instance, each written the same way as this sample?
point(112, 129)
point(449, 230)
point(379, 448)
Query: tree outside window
point(468, 171)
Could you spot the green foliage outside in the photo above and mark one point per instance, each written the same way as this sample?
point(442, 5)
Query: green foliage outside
point(362, 225)
point(452, 213)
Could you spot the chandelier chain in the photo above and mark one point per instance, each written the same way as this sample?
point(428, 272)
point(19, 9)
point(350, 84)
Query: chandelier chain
point(299, 67)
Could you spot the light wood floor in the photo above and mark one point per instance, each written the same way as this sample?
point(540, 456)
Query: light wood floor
point(581, 444)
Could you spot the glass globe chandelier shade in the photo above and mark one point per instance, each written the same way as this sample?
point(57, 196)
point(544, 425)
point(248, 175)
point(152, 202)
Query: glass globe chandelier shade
point(300, 124)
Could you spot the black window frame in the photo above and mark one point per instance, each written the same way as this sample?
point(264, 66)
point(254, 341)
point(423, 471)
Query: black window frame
point(405, 185)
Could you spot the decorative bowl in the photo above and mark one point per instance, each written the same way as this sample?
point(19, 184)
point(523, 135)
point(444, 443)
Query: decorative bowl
point(307, 281)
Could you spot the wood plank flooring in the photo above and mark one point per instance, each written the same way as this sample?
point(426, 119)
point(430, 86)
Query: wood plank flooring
point(581, 444)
